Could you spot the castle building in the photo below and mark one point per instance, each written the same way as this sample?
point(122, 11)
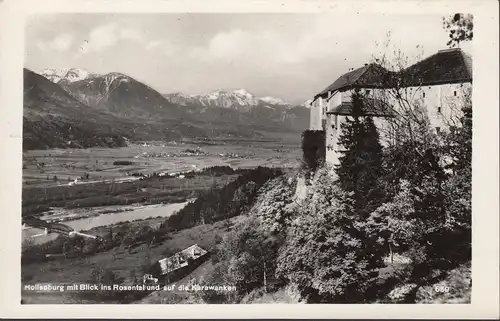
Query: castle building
point(437, 83)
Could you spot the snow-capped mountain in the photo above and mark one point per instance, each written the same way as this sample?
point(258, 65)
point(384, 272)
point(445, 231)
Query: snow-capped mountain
point(273, 101)
point(121, 95)
point(239, 99)
point(241, 106)
point(69, 75)
point(307, 103)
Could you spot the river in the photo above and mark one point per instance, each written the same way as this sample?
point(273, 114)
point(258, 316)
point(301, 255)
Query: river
point(88, 223)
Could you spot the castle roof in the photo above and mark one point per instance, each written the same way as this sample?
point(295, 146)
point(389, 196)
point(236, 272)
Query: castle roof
point(369, 76)
point(444, 67)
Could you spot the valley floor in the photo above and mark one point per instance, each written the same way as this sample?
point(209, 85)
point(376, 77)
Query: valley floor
point(54, 167)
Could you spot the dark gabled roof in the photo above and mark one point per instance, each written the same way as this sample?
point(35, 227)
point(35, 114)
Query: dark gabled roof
point(371, 75)
point(446, 66)
point(371, 107)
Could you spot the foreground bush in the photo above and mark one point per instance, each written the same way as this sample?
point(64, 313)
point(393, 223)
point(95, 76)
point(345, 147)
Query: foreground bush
point(246, 258)
point(325, 255)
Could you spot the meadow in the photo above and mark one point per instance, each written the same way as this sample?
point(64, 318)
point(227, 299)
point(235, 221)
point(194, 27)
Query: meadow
point(56, 167)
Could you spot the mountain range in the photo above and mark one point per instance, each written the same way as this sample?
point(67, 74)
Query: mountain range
point(76, 108)
point(239, 99)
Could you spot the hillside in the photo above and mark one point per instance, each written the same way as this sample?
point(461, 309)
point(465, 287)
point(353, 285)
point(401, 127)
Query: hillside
point(54, 119)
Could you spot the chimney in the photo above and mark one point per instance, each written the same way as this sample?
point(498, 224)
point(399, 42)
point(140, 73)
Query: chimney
point(449, 50)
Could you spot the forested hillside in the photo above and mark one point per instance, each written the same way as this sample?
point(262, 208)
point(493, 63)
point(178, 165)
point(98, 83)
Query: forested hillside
point(387, 225)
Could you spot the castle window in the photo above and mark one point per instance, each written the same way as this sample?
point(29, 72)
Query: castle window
point(423, 95)
point(438, 130)
point(367, 91)
point(455, 93)
point(439, 110)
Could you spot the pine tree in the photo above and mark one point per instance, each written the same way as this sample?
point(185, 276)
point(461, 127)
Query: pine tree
point(351, 132)
point(372, 158)
point(361, 164)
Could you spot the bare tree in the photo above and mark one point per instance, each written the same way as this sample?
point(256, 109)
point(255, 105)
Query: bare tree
point(400, 90)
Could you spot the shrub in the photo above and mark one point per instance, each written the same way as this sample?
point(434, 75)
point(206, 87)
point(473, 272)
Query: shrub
point(246, 258)
point(122, 163)
point(313, 149)
point(325, 254)
point(276, 206)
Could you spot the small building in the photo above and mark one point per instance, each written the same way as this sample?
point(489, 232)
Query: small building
point(182, 263)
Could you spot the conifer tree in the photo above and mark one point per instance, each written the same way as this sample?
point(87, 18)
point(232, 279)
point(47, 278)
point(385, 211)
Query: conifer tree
point(361, 161)
point(351, 132)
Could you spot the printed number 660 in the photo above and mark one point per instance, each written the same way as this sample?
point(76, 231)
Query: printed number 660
point(441, 288)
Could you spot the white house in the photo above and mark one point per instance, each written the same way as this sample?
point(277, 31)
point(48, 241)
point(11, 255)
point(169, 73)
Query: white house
point(438, 82)
point(181, 259)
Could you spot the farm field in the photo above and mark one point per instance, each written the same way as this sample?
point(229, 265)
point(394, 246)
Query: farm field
point(152, 190)
point(61, 166)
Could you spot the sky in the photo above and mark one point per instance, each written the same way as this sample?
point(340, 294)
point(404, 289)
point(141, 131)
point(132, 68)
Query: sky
point(290, 56)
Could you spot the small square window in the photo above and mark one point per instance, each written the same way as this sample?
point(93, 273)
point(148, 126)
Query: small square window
point(368, 92)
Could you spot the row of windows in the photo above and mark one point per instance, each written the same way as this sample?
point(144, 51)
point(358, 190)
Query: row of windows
point(454, 94)
point(325, 109)
point(368, 91)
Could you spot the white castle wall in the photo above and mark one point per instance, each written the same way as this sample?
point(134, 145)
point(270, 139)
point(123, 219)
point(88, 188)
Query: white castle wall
point(448, 97)
point(315, 119)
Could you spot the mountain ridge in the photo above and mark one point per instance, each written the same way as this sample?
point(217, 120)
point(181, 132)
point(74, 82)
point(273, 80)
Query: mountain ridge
point(236, 99)
point(139, 112)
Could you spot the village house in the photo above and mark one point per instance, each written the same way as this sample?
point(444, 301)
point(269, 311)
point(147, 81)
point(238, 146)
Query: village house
point(182, 263)
point(437, 82)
